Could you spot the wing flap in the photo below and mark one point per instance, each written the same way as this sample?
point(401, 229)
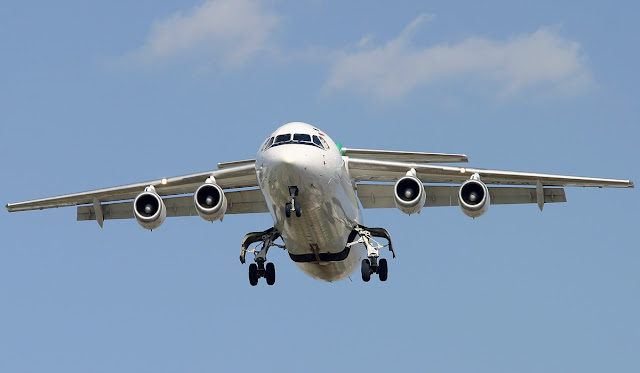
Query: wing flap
point(381, 195)
point(238, 202)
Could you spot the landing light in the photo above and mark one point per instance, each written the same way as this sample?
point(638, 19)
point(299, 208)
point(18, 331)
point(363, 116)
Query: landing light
point(164, 181)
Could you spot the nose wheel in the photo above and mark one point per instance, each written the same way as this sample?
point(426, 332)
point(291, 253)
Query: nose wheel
point(293, 206)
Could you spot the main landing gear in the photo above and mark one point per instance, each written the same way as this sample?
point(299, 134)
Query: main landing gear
point(260, 268)
point(293, 206)
point(372, 264)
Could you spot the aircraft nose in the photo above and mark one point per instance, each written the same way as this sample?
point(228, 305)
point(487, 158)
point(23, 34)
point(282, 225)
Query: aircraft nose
point(292, 161)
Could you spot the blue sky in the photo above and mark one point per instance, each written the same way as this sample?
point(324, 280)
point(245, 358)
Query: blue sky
point(102, 94)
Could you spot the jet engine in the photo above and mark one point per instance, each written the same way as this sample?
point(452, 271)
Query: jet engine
point(149, 209)
point(474, 198)
point(210, 201)
point(409, 194)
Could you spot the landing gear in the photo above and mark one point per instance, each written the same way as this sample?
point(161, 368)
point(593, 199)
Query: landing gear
point(383, 269)
point(270, 274)
point(293, 206)
point(366, 270)
point(260, 268)
point(372, 264)
point(253, 274)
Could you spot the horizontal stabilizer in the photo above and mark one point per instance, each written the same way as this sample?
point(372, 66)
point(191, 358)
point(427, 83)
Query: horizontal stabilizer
point(398, 156)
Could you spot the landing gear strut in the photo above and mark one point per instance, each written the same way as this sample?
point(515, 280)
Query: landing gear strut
point(293, 206)
point(372, 264)
point(260, 268)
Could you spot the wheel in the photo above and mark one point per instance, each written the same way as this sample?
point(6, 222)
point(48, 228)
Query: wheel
point(270, 274)
point(253, 274)
point(298, 210)
point(287, 210)
point(383, 269)
point(366, 270)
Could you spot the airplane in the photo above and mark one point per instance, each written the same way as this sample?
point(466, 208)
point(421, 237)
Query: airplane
point(315, 190)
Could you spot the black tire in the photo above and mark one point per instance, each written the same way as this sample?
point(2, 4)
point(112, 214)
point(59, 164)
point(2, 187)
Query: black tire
point(287, 210)
point(270, 274)
point(253, 274)
point(298, 210)
point(366, 270)
point(383, 269)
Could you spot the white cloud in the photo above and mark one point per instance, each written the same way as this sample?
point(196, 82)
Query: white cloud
point(389, 71)
point(230, 31)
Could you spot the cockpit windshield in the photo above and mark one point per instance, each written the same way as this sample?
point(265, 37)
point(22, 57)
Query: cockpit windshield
point(297, 138)
point(282, 138)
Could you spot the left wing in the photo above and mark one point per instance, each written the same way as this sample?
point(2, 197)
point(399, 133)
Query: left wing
point(362, 169)
point(378, 196)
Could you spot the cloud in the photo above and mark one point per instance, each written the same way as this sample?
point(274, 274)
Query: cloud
point(527, 61)
point(228, 31)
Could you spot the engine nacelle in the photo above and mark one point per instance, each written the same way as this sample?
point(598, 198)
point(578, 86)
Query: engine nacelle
point(474, 198)
point(210, 201)
point(409, 194)
point(149, 209)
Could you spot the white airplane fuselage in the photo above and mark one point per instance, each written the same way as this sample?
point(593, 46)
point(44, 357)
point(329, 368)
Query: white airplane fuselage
point(316, 241)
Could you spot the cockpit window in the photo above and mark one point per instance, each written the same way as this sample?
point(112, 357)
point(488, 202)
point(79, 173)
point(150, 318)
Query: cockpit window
point(267, 144)
point(298, 138)
point(283, 138)
point(302, 137)
point(316, 141)
point(324, 143)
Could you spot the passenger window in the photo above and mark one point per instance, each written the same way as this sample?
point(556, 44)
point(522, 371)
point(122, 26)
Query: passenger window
point(283, 138)
point(302, 137)
point(316, 141)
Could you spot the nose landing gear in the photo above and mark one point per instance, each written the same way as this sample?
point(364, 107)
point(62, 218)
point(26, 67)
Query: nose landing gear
point(293, 206)
point(260, 268)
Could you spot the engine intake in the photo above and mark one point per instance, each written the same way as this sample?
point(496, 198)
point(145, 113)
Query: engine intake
point(409, 194)
point(210, 201)
point(474, 198)
point(149, 209)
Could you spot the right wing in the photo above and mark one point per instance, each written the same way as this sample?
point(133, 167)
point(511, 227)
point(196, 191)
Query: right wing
point(232, 175)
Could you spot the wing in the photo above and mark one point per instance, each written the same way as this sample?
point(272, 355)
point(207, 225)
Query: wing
point(362, 169)
point(375, 195)
point(381, 195)
point(233, 175)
